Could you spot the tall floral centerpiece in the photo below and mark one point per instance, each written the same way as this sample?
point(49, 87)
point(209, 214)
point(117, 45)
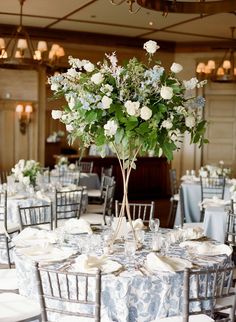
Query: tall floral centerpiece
point(133, 108)
point(26, 171)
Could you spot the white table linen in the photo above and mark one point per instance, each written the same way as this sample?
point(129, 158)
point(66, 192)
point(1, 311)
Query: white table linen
point(192, 199)
point(215, 222)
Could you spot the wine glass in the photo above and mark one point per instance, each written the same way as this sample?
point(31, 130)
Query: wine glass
point(130, 249)
point(154, 224)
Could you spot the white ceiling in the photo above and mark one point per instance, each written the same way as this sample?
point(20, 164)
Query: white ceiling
point(100, 16)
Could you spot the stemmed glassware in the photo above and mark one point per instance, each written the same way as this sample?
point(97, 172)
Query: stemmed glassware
point(130, 249)
point(154, 224)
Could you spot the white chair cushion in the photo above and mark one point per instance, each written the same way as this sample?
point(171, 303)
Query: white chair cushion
point(96, 209)
point(94, 193)
point(192, 318)
point(8, 279)
point(94, 219)
point(15, 307)
point(11, 227)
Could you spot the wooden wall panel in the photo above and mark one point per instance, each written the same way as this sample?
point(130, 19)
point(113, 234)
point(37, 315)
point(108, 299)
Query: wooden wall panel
point(221, 132)
point(7, 137)
point(18, 86)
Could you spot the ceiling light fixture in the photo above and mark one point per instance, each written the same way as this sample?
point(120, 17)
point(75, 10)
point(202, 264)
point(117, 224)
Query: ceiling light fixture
point(222, 71)
point(187, 6)
point(19, 49)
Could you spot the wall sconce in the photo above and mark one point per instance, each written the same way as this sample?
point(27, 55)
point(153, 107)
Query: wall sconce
point(24, 116)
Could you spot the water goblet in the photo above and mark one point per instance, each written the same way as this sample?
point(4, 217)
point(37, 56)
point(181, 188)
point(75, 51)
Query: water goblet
point(154, 224)
point(130, 249)
point(140, 235)
point(108, 221)
point(156, 242)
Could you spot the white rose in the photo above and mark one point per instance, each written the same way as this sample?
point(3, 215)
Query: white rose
point(151, 46)
point(167, 124)
point(145, 113)
point(176, 68)
point(166, 92)
point(89, 67)
point(97, 78)
point(106, 102)
point(132, 108)
point(72, 72)
point(110, 128)
point(26, 181)
point(56, 114)
point(71, 103)
point(190, 121)
point(69, 127)
point(54, 87)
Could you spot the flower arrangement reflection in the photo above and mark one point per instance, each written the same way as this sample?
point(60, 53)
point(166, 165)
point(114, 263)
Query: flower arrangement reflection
point(26, 171)
point(134, 108)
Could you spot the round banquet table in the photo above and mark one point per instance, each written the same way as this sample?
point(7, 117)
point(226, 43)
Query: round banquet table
point(131, 296)
point(26, 199)
point(192, 198)
point(89, 180)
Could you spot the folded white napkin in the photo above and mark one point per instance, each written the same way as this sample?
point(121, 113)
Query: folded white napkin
point(89, 264)
point(185, 233)
point(213, 202)
point(33, 236)
point(192, 232)
point(207, 248)
point(164, 263)
point(42, 196)
point(77, 226)
point(137, 224)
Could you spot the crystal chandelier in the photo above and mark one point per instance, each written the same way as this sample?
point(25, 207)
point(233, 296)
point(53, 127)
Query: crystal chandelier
point(184, 6)
point(223, 70)
point(19, 49)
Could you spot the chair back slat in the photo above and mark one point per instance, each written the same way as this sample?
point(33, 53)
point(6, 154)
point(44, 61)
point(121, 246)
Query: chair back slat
point(67, 177)
point(212, 186)
point(80, 289)
point(173, 182)
point(230, 233)
point(85, 166)
point(144, 211)
point(107, 171)
point(3, 208)
point(68, 204)
point(35, 215)
point(204, 287)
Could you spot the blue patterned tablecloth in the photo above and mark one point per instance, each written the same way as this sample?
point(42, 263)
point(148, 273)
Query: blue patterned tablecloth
point(133, 296)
